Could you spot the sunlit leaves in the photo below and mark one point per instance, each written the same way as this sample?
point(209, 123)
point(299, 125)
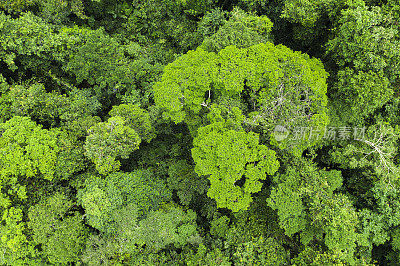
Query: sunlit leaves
point(61, 232)
point(242, 30)
point(363, 42)
point(136, 118)
point(109, 140)
point(164, 227)
point(26, 149)
point(277, 85)
point(227, 156)
point(184, 84)
point(137, 192)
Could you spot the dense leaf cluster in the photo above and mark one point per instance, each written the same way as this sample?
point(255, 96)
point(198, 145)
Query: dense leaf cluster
point(199, 132)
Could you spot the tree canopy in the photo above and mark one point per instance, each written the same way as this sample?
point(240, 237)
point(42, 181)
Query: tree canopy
point(199, 132)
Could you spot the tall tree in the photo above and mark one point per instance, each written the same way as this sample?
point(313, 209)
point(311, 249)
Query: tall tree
point(235, 163)
point(108, 141)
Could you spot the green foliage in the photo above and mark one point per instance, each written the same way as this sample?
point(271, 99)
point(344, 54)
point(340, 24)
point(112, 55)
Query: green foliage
point(375, 148)
point(33, 101)
point(261, 252)
point(116, 118)
point(242, 30)
point(219, 227)
point(16, 5)
point(171, 23)
point(55, 11)
point(313, 257)
point(306, 203)
point(279, 86)
point(228, 156)
point(99, 250)
point(14, 244)
point(361, 93)
point(135, 118)
point(387, 200)
point(78, 115)
point(365, 49)
point(309, 12)
point(27, 150)
point(365, 41)
point(211, 22)
point(164, 227)
point(392, 109)
point(373, 228)
point(396, 240)
point(74, 111)
point(204, 256)
point(60, 231)
point(103, 198)
point(109, 140)
point(189, 77)
point(74, 56)
point(97, 59)
point(27, 35)
point(70, 159)
point(339, 219)
point(182, 177)
point(5, 100)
